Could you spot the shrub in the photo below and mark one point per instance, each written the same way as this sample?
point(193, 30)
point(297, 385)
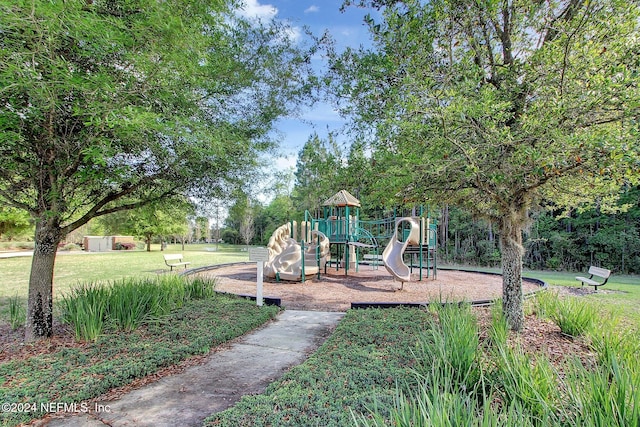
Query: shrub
point(574, 317)
point(69, 247)
point(17, 313)
point(124, 246)
point(85, 309)
point(129, 303)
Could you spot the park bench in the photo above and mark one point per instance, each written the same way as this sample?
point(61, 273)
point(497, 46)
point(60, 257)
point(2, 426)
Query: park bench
point(601, 273)
point(176, 261)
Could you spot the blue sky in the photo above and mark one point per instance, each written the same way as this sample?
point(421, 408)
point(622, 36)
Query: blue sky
point(319, 15)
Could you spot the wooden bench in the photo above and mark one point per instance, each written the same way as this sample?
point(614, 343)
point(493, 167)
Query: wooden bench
point(602, 273)
point(178, 261)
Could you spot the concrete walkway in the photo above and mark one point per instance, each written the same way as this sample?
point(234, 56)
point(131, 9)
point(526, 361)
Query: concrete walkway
point(246, 367)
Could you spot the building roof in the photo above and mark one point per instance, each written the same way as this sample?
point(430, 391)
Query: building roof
point(342, 198)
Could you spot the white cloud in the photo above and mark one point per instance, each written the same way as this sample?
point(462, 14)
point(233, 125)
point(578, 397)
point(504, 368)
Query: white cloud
point(286, 162)
point(312, 9)
point(252, 9)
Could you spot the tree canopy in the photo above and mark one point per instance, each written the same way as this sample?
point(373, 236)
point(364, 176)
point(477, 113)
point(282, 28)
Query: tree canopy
point(110, 105)
point(496, 105)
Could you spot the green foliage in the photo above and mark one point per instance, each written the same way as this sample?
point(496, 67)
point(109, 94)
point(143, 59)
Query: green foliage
point(165, 218)
point(529, 382)
point(128, 102)
point(117, 358)
point(17, 313)
point(449, 348)
point(128, 304)
point(317, 170)
point(358, 371)
point(360, 363)
point(498, 330)
point(573, 316)
point(84, 309)
point(471, 105)
point(14, 223)
point(581, 238)
point(467, 240)
point(607, 395)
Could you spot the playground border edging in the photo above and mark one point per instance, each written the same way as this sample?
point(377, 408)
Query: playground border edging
point(543, 286)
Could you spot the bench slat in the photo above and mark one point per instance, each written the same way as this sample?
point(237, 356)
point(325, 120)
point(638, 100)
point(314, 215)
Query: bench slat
point(600, 272)
point(176, 257)
point(594, 271)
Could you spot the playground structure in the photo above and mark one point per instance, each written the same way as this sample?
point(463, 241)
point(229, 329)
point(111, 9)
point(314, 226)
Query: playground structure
point(293, 254)
point(343, 240)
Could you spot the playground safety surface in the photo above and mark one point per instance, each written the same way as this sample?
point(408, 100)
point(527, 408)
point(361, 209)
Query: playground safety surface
point(335, 291)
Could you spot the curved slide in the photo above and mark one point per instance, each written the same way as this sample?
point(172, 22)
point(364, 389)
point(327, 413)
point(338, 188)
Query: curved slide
point(286, 255)
point(392, 254)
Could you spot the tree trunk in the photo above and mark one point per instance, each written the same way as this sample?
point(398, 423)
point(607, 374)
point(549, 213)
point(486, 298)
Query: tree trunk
point(39, 322)
point(512, 254)
point(444, 231)
point(148, 241)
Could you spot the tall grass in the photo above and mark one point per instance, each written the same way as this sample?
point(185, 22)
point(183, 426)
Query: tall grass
point(85, 310)
point(128, 303)
point(574, 317)
point(17, 312)
point(510, 386)
point(499, 328)
point(608, 395)
point(529, 382)
point(450, 347)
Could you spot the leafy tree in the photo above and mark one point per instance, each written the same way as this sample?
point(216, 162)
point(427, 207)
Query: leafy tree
point(13, 222)
point(200, 228)
point(110, 105)
point(494, 106)
point(316, 173)
point(164, 218)
point(278, 212)
point(247, 226)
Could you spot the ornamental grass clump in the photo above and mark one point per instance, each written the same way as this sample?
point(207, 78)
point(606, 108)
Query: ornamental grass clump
point(529, 381)
point(84, 308)
point(608, 395)
point(448, 352)
point(128, 304)
point(17, 313)
point(200, 288)
point(574, 317)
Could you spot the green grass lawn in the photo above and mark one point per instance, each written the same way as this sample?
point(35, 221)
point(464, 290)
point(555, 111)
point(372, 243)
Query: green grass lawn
point(625, 301)
point(74, 268)
point(359, 371)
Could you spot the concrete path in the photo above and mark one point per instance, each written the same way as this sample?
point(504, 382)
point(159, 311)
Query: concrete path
point(246, 367)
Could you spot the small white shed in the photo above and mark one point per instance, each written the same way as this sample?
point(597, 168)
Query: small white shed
point(97, 243)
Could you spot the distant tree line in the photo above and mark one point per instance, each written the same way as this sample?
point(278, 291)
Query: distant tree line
point(553, 241)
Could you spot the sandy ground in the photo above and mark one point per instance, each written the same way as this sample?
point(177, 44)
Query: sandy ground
point(335, 291)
